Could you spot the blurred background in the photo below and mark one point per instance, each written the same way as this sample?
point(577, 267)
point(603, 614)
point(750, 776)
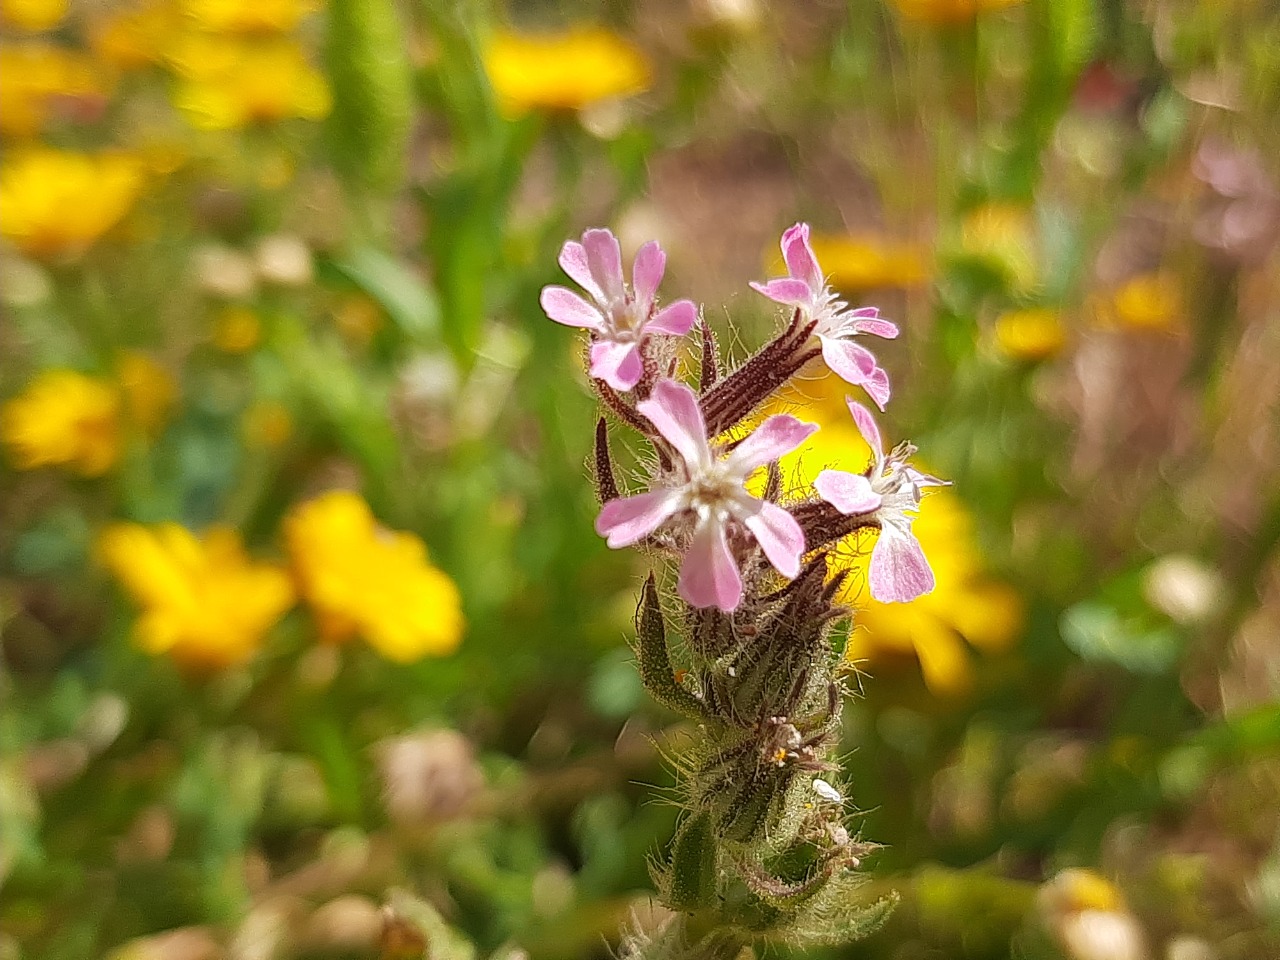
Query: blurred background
point(301, 608)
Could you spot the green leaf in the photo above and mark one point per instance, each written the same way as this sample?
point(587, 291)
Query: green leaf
point(1097, 631)
point(408, 300)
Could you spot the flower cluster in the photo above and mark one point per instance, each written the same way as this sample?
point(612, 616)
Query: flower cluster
point(697, 504)
point(758, 580)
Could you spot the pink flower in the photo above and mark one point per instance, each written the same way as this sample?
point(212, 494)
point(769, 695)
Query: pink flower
point(807, 288)
point(620, 318)
point(891, 489)
point(709, 489)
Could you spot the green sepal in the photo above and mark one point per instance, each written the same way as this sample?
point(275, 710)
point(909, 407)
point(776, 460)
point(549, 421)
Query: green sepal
point(654, 660)
point(692, 877)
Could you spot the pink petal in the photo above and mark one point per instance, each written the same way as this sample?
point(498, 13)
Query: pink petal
point(564, 306)
point(779, 536)
point(877, 387)
point(850, 493)
point(675, 319)
point(573, 261)
point(673, 409)
point(851, 361)
point(709, 576)
point(625, 521)
point(604, 258)
point(801, 263)
point(646, 274)
point(867, 320)
point(786, 290)
point(866, 424)
point(856, 365)
point(899, 571)
point(776, 437)
point(617, 363)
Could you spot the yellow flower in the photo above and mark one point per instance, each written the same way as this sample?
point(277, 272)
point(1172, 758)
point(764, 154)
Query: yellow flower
point(35, 75)
point(55, 203)
point(248, 16)
point(948, 11)
point(33, 15)
point(64, 418)
point(1150, 301)
point(149, 389)
point(204, 602)
point(361, 578)
point(236, 330)
point(358, 318)
point(1002, 236)
point(563, 71)
point(135, 37)
point(865, 262)
point(229, 83)
point(964, 604)
point(1036, 333)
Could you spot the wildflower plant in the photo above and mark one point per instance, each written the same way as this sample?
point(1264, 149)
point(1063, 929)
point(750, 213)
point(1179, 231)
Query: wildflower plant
point(764, 850)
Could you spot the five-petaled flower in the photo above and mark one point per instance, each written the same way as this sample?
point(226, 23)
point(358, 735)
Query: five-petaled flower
point(708, 489)
point(891, 489)
point(806, 288)
point(620, 318)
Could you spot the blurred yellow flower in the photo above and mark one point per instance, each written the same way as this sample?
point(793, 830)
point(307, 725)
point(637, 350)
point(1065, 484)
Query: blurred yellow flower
point(236, 329)
point(203, 600)
point(361, 578)
point(137, 36)
point(267, 424)
point(358, 319)
point(227, 83)
point(1036, 333)
point(248, 16)
point(963, 606)
point(1150, 301)
point(56, 203)
point(866, 261)
point(1003, 236)
point(64, 418)
point(948, 11)
point(33, 15)
point(149, 389)
point(34, 76)
point(563, 71)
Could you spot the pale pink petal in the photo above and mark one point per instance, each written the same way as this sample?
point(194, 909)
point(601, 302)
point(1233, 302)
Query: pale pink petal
point(776, 437)
point(779, 536)
point(573, 261)
point(673, 409)
point(625, 521)
point(646, 274)
point(786, 290)
point(675, 319)
point(866, 424)
point(604, 258)
point(851, 361)
point(850, 493)
point(709, 576)
point(617, 364)
point(877, 387)
point(564, 306)
point(868, 320)
point(899, 571)
point(801, 263)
